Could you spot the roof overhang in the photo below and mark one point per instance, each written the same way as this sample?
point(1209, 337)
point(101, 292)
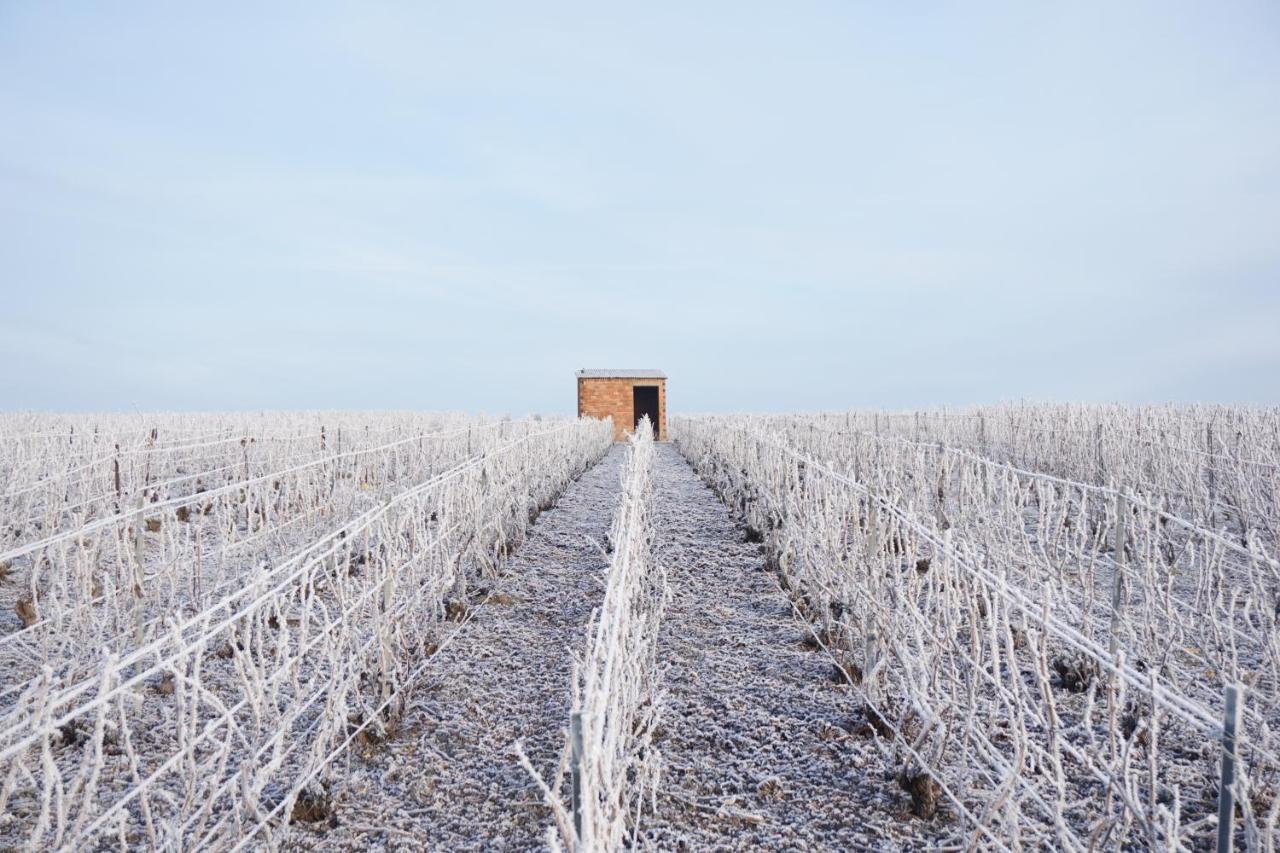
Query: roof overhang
point(621, 374)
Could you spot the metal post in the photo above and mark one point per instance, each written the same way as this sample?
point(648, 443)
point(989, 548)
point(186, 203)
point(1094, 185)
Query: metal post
point(1226, 785)
point(575, 773)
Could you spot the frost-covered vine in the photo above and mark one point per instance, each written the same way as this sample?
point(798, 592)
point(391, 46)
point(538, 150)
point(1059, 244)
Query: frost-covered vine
point(1043, 657)
point(610, 757)
point(166, 710)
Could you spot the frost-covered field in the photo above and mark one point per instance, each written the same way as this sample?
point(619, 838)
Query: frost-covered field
point(1041, 606)
point(201, 613)
point(1003, 628)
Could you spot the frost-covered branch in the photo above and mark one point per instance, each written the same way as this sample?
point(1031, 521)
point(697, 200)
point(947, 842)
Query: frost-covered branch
point(614, 763)
point(976, 604)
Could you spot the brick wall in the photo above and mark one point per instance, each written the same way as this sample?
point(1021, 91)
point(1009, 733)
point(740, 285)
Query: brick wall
point(603, 398)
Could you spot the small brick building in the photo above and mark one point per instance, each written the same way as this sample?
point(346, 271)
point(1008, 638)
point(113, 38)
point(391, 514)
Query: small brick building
point(625, 396)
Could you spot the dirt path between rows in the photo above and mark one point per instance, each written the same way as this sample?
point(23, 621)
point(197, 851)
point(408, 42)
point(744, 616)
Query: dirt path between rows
point(756, 749)
point(450, 780)
point(755, 739)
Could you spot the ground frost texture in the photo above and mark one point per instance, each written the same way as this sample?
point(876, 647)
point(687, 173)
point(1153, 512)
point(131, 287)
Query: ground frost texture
point(755, 735)
point(756, 747)
point(450, 780)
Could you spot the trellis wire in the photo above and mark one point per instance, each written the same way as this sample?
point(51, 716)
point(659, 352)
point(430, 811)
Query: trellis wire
point(612, 761)
point(319, 650)
point(813, 539)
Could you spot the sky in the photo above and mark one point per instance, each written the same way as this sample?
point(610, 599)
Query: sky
point(785, 206)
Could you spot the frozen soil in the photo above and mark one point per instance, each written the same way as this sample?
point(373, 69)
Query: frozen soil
point(757, 749)
point(756, 737)
point(450, 780)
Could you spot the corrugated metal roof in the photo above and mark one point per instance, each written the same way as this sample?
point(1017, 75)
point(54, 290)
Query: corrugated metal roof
point(621, 374)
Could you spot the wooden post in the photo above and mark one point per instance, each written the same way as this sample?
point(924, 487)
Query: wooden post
point(138, 577)
point(1097, 451)
point(870, 655)
point(387, 659)
point(1212, 472)
point(1226, 783)
point(575, 773)
point(941, 508)
point(1117, 580)
point(870, 647)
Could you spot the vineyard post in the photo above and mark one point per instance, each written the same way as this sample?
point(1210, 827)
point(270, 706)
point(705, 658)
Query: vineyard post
point(115, 468)
point(941, 507)
point(387, 631)
point(870, 651)
point(575, 773)
point(1226, 783)
point(1117, 580)
point(1211, 471)
point(1097, 450)
point(870, 655)
point(138, 579)
point(151, 444)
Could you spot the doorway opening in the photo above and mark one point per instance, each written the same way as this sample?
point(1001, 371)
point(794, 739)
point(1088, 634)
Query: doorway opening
point(645, 401)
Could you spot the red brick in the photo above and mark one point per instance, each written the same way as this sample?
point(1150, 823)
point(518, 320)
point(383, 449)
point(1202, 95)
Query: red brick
point(612, 397)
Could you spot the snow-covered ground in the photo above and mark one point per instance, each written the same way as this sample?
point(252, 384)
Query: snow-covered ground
point(858, 633)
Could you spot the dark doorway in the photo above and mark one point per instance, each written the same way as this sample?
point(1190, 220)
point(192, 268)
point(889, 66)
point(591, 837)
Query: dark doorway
point(645, 398)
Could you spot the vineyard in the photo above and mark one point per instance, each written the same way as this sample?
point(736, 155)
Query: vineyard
point(205, 616)
point(1016, 627)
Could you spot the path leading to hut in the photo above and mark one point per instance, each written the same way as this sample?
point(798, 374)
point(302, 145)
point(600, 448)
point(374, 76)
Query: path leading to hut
point(757, 752)
point(450, 780)
point(755, 738)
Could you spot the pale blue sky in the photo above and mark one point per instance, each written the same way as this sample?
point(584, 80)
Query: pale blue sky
point(783, 205)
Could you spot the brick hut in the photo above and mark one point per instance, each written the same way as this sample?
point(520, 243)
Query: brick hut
point(626, 396)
